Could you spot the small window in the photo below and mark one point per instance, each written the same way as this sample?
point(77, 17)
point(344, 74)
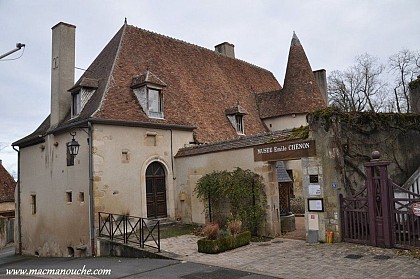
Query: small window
point(154, 103)
point(148, 89)
point(81, 196)
point(239, 123)
point(125, 156)
point(33, 204)
point(76, 104)
point(236, 117)
point(69, 196)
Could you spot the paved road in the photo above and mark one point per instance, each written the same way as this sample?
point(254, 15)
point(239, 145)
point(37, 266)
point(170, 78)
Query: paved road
point(288, 258)
point(120, 267)
point(278, 258)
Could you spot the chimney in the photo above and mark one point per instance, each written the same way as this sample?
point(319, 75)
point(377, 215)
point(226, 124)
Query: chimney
point(226, 49)
point(62, 70)
point(321, 80)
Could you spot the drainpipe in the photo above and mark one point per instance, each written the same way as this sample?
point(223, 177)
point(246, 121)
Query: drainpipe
point(172, 157)
point(18, 205)
point(91, 205)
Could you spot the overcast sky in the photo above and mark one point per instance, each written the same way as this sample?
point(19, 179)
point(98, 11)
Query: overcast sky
point(332, 33)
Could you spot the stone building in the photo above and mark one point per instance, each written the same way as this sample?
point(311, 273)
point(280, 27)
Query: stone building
point(7, 193)
point(152, 115)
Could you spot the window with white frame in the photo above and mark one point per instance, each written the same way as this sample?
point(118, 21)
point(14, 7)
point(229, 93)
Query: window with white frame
point(154, 102)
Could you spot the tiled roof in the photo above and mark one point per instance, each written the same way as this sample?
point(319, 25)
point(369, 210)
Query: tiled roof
point(243, 142)
point(147, 78)
point(7, 185)
point(201, 84)
point(300, 93)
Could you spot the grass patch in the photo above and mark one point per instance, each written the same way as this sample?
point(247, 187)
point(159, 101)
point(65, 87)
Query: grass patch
point(176, 229)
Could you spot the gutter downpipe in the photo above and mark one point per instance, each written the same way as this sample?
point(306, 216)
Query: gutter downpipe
point(91, 200)
point(18, 205)
point(172, 157)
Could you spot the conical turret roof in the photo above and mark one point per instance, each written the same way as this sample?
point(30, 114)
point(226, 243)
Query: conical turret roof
point(300, 93)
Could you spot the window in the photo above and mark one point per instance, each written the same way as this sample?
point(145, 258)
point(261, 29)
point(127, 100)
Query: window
point(236, 117)
point(148, 89)
point(239, 123)
point(76, 104)
point(81, 196)
point(69, 196)
point(125, 156)
point(154, 103)
point(33, 204)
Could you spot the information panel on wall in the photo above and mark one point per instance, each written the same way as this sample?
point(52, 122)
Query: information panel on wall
point(285, 150)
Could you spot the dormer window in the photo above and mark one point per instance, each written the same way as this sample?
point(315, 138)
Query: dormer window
point(148, 89)
point(239, 123)
point(81, 93)
point(154, 102)
point(236, 118)
point(76, 104)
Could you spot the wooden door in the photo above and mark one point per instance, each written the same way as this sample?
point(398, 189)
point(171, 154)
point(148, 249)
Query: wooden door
point(156, 191)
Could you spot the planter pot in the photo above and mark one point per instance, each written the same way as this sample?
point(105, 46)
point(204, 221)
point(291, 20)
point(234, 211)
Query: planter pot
point(223, 244)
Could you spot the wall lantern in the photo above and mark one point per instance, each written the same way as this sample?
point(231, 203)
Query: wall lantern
point(73, 146)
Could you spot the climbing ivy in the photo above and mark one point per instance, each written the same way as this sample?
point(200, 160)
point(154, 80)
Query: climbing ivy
point(242, 189)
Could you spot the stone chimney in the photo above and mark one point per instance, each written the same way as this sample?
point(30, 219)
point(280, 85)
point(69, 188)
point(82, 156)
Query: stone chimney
point(226, 48)
point(321, 80)
point(62, 70)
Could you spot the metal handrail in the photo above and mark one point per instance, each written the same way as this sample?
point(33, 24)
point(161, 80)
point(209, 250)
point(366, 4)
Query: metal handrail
point(130, 229)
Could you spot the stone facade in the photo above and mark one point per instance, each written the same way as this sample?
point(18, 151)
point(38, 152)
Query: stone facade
point(344, 142)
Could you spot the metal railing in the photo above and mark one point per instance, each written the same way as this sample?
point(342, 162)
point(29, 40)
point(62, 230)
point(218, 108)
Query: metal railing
point(130, 229)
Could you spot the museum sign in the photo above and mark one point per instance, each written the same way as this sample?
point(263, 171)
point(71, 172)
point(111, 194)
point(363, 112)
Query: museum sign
point(286, 150)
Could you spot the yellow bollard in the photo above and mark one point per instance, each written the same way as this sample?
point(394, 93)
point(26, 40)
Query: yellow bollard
point(330, 236)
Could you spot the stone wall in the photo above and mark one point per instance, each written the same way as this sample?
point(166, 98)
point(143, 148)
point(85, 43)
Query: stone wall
point(344, 142)
point(350, 138)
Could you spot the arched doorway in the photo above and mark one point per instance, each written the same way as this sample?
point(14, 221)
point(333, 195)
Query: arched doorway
point(156, 191)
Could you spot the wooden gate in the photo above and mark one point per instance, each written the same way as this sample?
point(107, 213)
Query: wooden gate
point(382, 213)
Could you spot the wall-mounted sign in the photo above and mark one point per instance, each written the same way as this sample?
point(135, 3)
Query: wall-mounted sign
point(316, 205)
point(285, 150)
point(314, 189)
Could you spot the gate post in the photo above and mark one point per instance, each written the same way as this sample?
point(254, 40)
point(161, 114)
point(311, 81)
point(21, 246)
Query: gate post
point(380, 196)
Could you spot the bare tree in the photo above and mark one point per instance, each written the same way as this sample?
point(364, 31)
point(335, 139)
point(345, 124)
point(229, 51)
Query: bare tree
point(360, 87)
point(405, 65)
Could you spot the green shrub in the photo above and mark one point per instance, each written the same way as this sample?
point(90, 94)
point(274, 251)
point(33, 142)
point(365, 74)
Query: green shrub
point(244, 191)
point(223, 244)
